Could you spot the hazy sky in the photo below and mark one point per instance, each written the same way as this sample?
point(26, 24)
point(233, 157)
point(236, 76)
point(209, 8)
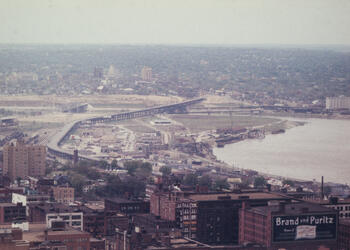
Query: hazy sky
point(176, 21)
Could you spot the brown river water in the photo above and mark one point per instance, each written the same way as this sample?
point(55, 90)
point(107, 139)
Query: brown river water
point(321, 147)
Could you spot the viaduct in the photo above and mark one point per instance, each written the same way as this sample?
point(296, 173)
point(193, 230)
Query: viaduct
point(55, 142)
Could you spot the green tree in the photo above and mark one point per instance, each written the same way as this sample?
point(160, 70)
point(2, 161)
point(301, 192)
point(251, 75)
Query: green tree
point(131, 166)
point(327, 190)
point(205, 181)
point(103, 164)
point(259, 182)
point(190, 180)
point(77, 181)
point(114, 164)
point(288, 182)
point(165, 170)
point(144, 170)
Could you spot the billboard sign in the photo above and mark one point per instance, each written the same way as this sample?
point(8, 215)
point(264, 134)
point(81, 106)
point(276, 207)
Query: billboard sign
point(304, 227)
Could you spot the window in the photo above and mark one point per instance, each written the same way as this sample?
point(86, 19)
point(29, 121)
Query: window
point(76, 223)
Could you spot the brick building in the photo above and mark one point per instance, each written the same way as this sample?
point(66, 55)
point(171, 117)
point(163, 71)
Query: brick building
point(11, 239)
point(12, 212)
point(21, 160)
point(127, 206)
point(50, 212)
point(63, 194)
point(299, 226)
point(211, 218)
point(72, 238)
point(344, 235)
point(100, 223)
point(6, 193)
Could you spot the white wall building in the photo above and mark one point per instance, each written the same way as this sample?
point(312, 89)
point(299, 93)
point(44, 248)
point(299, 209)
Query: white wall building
point(73, 219)
point(341, 102)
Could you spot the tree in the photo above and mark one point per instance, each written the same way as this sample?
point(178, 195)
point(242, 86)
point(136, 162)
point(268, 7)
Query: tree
point(139, 168)
point(190, 180)
point(288, 182)
point(259, 182)
point(77, 181)
point(114, 164)
point(131, 166)
point(327, 190)
point(144, 170)
point(205, 181)
point(165, 170)
point(221, 183)
point(103, 164)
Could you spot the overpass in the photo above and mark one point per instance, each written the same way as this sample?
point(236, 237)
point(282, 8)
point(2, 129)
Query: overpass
point(76, 108)
point(55, 142)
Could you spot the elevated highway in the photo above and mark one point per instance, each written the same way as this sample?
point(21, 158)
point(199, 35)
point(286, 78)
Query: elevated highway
point(55, 141)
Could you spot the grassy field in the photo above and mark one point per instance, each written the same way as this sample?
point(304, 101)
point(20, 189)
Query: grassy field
point(197, 123)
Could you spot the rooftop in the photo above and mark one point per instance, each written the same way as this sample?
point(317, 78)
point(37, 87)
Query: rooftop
point(235, 196)
point(121, 200)
point(292, 209)
point(56, 208)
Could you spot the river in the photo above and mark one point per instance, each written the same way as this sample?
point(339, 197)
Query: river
point(320, 147)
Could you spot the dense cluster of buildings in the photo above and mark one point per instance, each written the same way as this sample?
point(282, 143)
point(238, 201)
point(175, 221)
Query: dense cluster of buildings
point(38, 212)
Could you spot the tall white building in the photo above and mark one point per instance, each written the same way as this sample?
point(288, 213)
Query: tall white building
point(341, 102)
point(146, 73)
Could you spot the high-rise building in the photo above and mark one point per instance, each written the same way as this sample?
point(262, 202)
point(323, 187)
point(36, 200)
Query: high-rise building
point(111, 72)
point(146, 73)
point(21, 160)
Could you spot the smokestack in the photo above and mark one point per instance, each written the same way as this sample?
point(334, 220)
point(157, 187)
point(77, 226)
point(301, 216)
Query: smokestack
point(322, 191)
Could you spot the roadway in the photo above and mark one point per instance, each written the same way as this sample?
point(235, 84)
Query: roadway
point(55, 141)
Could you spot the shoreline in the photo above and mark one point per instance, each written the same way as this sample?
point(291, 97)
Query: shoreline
point(291, 123)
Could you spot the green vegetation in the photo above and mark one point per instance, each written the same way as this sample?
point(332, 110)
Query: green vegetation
point(138, 168)
point(288, 182)
point(259, 182)
point(165, 170)
point(129, 187)
point(190, 180)
point(205, 181)
point(77, 181)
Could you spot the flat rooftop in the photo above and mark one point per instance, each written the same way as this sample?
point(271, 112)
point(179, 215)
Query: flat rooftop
point(293, 209)
point(121, 200)
point(235, 196)
point(49, 207)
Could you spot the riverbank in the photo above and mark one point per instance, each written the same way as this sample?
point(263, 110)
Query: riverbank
point(319, 148)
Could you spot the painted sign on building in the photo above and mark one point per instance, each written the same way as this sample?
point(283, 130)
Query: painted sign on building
point(304, 227)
